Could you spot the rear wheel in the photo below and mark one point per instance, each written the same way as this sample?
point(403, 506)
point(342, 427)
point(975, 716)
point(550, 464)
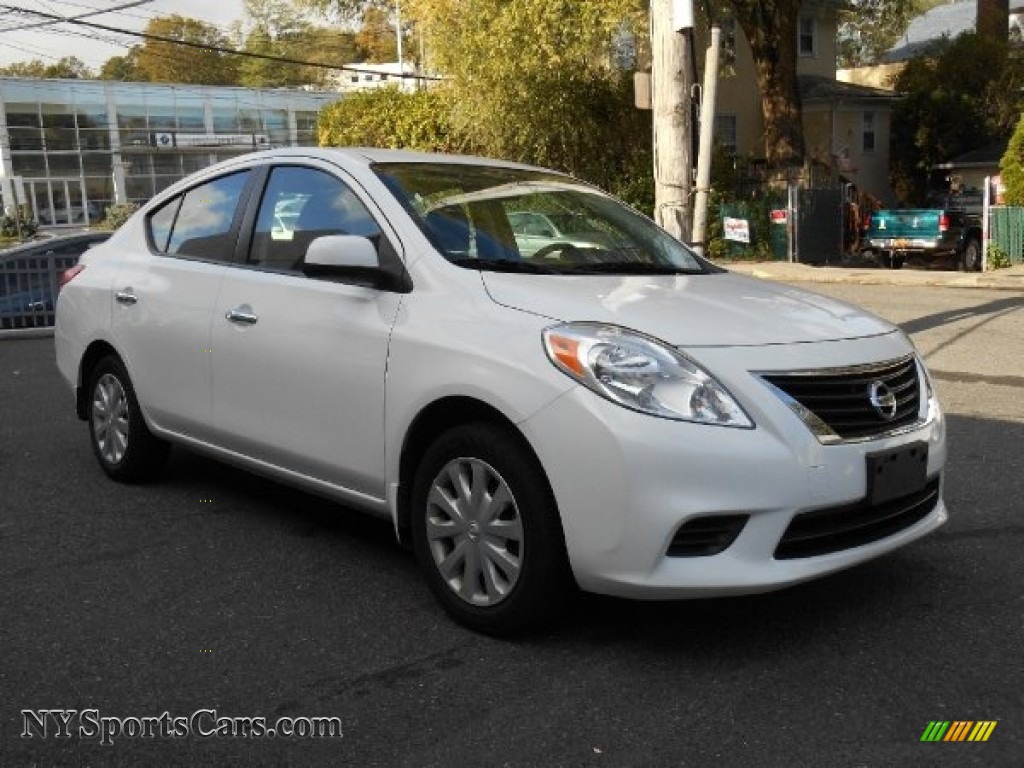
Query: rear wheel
point(125, 448)
point(970, 257)
point(486, 531)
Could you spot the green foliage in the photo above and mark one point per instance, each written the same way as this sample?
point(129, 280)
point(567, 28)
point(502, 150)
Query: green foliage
point(121, 68)
point(116, 215)
point(869, 28)
point(168, 62)
point(966, 96)
point(278, 28)
point(21, 225)
point(68, 68)
point(557, 102)
point(1011, 167)
point(997, 258)
point(392, 119)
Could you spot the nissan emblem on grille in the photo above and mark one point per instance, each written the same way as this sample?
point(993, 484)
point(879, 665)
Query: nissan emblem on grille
point(882, 399)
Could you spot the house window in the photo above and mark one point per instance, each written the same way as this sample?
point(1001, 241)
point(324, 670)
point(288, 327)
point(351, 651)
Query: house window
point(805, 36)
point(868, 132)
point(725, 132)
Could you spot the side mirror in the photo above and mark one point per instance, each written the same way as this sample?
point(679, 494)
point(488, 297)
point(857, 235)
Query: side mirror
point(352, 258)
point(344, 251)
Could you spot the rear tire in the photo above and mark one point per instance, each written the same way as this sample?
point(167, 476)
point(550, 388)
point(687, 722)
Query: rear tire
point(970, 257)
point(125, 448)
point(486, 531)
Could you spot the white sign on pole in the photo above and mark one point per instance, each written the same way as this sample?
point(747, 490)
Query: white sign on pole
point(737, 230)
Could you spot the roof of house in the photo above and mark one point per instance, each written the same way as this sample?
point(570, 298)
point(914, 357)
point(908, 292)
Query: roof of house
point(982, 157)
point(817, 88)
point(942, 21)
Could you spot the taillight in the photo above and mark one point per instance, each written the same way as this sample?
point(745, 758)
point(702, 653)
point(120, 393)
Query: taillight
point(943, 222)
point(69, 274)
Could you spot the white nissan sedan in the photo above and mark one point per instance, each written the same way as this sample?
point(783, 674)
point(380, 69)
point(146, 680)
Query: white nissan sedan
point(622, 416)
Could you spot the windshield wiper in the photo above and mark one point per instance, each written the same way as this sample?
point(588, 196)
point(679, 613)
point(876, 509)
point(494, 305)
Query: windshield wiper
point(507, 265)
point(632, 268)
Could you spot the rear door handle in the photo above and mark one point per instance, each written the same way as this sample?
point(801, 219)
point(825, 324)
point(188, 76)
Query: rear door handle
point(242, 315)
point(126, 296)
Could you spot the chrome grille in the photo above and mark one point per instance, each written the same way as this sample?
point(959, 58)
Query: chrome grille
point(836, 403)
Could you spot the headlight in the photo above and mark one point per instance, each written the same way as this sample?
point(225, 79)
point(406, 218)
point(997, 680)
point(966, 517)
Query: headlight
point(641, 373)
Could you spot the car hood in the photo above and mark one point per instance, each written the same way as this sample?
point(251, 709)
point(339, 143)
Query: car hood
point(688, 310)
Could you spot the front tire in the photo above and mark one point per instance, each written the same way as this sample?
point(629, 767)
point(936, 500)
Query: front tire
point(125, 448)
point(486, 531)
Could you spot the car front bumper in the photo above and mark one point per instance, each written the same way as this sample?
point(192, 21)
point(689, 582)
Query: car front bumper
point(626, 482)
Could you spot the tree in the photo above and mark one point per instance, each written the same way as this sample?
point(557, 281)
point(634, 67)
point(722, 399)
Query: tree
point(1011, 167)
point(556, 101)
point(123, 68)
point(199, 63)
point(869, 28)
point(376, 38)
point(961, 99)
point(770, 27)
point(68, 68)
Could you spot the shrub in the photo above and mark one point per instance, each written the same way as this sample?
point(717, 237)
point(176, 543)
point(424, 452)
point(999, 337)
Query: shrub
point(117, 214)
point(1011, 167)
point(22, 225)
point(997, 258)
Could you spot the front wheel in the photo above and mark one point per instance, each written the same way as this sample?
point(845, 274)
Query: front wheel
point(486, 531)
point(125, 448)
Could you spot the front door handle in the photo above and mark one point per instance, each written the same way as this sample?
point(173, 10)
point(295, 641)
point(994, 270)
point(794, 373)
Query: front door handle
point(242, 315)
point(126, 296)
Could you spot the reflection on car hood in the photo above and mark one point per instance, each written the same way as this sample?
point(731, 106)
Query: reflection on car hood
point(699, 310)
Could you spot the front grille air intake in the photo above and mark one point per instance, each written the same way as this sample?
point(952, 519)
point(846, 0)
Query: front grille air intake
point(837, 403)
point(822, 531)
point(708, 535)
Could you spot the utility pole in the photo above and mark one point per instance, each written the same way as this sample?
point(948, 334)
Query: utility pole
point(707, 119)
point(671, 82)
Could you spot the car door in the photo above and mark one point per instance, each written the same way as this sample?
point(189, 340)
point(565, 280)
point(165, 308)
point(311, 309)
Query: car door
point(299, 362)
point(165, 293)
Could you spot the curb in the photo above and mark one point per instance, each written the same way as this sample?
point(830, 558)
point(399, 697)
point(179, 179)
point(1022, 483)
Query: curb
point(1009, 280)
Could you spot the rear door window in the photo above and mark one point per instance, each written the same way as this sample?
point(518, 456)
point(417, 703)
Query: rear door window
point(199, 222)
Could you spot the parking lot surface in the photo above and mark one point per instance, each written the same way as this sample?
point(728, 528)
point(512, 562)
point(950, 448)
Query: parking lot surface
point(215, 590)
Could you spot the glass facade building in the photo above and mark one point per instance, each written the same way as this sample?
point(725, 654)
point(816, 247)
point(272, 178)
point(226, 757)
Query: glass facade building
point(70, 148)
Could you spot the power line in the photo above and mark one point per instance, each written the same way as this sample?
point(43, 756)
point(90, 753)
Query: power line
point(219, 49)
point(58, 19)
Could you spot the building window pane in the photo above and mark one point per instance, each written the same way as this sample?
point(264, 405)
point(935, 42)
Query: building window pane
point(868, 135)
point(64, 164)
point(29, 163)
point(725, 132)
point(806, 36)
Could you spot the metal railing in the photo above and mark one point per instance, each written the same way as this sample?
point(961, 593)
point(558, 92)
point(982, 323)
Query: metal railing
point(28, 288)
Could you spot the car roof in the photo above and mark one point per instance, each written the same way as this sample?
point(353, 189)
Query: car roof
point(370, 155)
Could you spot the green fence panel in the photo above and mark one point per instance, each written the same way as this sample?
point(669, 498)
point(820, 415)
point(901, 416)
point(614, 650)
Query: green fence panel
point(764, 236)
point(1006, 230)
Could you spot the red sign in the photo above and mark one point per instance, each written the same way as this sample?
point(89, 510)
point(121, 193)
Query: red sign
point(779, 216)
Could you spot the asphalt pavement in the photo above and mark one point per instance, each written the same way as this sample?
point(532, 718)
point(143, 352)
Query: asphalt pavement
point(214, 590)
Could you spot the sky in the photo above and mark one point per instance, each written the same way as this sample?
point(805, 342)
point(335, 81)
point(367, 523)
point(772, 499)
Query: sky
point(52, 43)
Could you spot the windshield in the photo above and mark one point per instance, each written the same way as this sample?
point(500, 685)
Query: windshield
point(511, 220)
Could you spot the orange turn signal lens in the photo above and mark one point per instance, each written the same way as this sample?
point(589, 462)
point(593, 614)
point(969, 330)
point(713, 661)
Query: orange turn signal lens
point(566, 352)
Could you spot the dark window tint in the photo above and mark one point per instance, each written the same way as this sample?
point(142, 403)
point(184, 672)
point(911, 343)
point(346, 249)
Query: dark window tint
point(300, 205)
point(203, 223)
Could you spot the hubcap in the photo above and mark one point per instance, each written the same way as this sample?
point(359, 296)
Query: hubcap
point(474, 531)
point(110, 418)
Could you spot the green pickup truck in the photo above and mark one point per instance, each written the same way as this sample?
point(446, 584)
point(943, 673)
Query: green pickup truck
point(927, 233)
